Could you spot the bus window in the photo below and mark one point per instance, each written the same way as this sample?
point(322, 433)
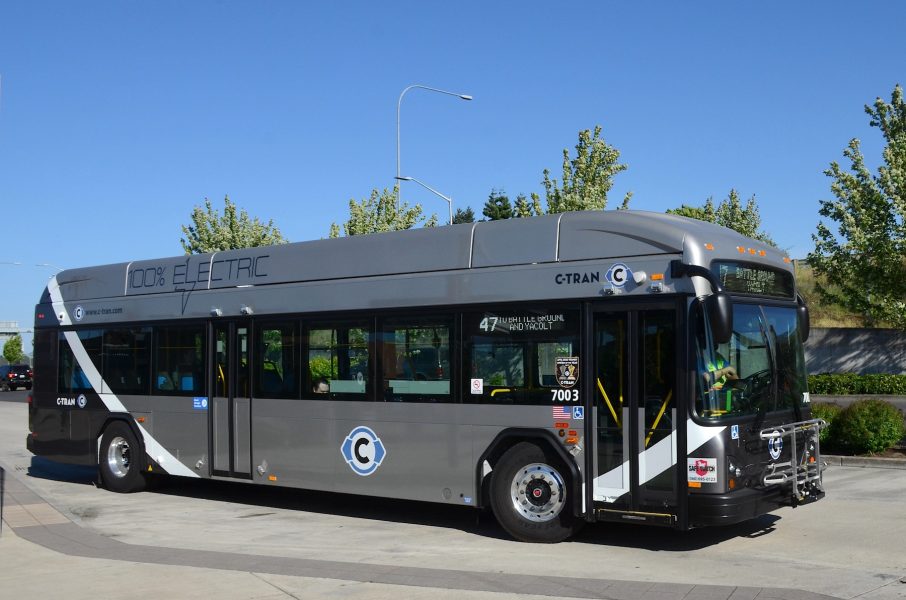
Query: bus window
point(277, 361)
point(127, 360)
point(338, 362)
point(528, 356)
point(71, 378)
point(416, 360)
point(179, 361)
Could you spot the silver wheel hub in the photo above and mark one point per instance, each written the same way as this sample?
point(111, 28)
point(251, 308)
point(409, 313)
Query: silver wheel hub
point(119, 457)
point(538, 492)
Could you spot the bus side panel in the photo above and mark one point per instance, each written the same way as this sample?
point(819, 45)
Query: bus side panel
point(178, 423)
point(425, 451)
point(292, 440)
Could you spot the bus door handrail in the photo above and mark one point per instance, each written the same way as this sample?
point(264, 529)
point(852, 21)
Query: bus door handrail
point(609, 405)
point(658, 418)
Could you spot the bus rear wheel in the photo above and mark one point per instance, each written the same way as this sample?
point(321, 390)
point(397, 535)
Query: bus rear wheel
point(120, 460)
point(529, 496)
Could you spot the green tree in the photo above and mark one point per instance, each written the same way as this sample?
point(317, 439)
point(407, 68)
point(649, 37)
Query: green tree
point(587, 178)
point(12, 350)
point(466, 215)
point(379, 212)
point(498, 206)
point(527, 207)
point(863, 264)
point(212, 232)
point(729, 213)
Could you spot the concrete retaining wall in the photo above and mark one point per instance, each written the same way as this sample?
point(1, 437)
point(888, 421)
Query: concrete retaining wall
point(855, 350)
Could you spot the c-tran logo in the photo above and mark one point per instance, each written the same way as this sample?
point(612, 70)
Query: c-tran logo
point(82, 401)
point(79, 313)
point(775, 445)
point(363, 450)
point(618, 275)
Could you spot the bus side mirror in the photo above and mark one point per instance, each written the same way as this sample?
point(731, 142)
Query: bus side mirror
point(720, 315)
point(805, 323)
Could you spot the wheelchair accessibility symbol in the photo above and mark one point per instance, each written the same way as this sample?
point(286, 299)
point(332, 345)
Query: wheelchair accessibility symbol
point(363, 450)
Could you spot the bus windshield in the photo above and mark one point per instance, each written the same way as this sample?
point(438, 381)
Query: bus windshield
point(760, 370)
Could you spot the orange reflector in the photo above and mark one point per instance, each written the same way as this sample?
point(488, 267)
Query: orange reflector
point(657, 277)
point(732, 484)
point(561, 425)
point(141, 419)
point(572, 440)
point(709, 246)
point(762, 253)
point(695, 484)
point(741, 249)
point(751, 250)
point(272, 478)
point(573, 433)
point(786, 259)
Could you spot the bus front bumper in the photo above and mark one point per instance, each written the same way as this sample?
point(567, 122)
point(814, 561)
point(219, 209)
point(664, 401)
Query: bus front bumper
point(744, 504)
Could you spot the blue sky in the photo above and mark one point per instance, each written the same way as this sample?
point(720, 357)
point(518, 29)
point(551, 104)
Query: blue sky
point(117, 118)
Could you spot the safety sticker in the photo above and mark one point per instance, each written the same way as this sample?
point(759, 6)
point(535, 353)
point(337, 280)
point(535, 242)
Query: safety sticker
point(200, 403)
point(363, 450)
point(579, 413)
point(702, 470)
point(477, 386)
point(734, 432)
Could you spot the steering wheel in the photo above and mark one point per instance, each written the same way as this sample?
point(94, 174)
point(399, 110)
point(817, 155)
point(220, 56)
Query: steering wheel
point(745, 388)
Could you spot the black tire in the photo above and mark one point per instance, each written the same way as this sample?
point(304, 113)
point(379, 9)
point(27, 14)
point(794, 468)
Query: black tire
point(530, 495)
point(4, 387)
point(11, 387)
point(120, 460)
point(28, 386)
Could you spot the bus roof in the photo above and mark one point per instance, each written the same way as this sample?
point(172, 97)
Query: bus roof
point(562, 238)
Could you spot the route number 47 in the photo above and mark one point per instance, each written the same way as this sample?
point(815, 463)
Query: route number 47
point(488, 323)
point(565, 395)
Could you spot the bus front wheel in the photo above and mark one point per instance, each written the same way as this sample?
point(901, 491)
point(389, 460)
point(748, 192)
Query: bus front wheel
point(119, 460)
point(529, 496)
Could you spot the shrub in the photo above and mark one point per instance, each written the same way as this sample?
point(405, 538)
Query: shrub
point(838, 384)
point(829, 412)
point(868, 426)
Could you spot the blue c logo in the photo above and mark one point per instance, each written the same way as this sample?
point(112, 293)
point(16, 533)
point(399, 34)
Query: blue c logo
point(363, 450)
point(775, 445)
point(618, 275)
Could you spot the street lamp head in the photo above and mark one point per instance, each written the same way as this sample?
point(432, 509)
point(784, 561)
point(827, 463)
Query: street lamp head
point(465, 96)
point(403, 178)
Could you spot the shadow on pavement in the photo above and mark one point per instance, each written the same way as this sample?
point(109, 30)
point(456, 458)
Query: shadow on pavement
point(462, 518)
point(43, 468)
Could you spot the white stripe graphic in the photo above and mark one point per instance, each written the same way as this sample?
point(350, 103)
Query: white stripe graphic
point(153, 448)
point(654, 461)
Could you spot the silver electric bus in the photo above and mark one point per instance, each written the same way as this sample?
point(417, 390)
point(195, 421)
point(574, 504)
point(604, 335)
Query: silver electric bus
point(562, 369)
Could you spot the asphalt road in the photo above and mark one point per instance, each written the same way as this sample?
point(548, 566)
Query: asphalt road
point(848, 545)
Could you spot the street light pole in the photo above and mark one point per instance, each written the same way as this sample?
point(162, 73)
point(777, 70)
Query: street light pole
point(431, 189)
point(399, 104)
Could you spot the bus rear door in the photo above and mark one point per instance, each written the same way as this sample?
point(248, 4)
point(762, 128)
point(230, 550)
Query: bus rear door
point(231, 406)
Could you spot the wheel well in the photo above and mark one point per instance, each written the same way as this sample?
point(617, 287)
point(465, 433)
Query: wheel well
point(130, 423)
point(508, 438)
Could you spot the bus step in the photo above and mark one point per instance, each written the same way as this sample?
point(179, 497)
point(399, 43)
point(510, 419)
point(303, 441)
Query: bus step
point(631, 516)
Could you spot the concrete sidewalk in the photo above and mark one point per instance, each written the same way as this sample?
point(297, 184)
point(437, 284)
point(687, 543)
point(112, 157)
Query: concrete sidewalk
point(44, 552)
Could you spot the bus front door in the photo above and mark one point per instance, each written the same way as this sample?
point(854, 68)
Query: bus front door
point(635, 363)
point(231, 407)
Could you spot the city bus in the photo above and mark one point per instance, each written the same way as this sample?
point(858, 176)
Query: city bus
point(620, 366)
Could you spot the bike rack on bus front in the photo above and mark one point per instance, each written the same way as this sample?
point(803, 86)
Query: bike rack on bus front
point(806, 475)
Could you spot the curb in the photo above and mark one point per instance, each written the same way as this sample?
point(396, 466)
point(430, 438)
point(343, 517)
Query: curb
point(869, 462)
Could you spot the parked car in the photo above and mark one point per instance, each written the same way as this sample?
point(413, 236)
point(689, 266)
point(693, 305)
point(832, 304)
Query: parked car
point(15, 376)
